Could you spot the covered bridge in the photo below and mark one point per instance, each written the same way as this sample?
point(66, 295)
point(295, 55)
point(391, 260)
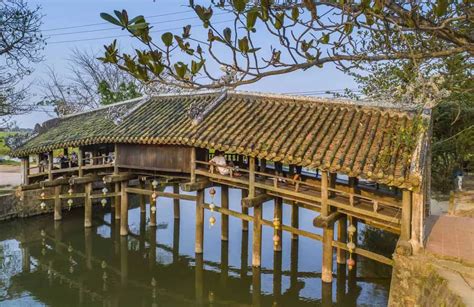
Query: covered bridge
point(360, 161)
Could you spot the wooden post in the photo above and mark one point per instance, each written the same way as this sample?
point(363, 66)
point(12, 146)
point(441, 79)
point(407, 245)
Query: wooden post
point(175, 240)
point(417, 220)
point(324, 194)
point(224, 263)
point(152, 249)
point(124, 209)
point(278, 215)
point(251, 177)
point(176, 209)
point(353, 189)
point(80, 162)
point(153, 209)
point(406, 215)
point(257, 236)
point(341, 278)
point(142, 199)
point(328, 236)
point(193, 165)
point(25, 170)
point(116, 155)
point(277, 275)
point(295, 216)
point(50, 166)
point(244, 255)
point(245, 210)
point(342, 237)
point(57, 204)
point(25, 258)
point(332, 183)
point(326, 294)
point(117, 201)
point(199, 247)
point(263, 165)
point(224, 217)
point(294, 263)
point(88, 205)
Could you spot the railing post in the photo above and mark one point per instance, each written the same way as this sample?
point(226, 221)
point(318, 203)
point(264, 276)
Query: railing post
point(406, 215)
point(124, 209)
point(193, 165)
point(25, 169)
point(80, 162)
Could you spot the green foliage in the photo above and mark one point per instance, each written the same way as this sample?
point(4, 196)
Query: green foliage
point(125, 91)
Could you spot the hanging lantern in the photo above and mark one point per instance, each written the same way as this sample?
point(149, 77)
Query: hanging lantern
point(104, 190)
point(154, 196)
point(42, 195)
point(351, 246)
point(104, 180)
point(103, 265)
point(212, 220)
point(350, 263)
point(69, 203)
point(212, 206)
point(276, 223)
point(212, 192)
point(153, 282)
point(154, 183)
point(351, 229)
point(211, 297)
point(153, 209)
point(276, 239)
point(43, 205)
point(69, 249)
point(70, 191)
point(103, 202)
point(43, 233)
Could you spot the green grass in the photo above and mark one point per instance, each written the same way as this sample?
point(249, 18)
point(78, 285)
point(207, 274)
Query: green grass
point(9, 162)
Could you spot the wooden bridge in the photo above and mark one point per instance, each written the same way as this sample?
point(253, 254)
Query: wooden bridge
point(356, 167)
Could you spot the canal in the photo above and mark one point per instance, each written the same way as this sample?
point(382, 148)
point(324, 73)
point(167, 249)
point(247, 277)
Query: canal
point(62, 264)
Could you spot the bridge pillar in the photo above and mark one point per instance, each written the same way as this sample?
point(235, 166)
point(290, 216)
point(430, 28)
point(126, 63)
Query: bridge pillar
point(224, 217)
point(142, 198)
point(176, 208)
point(123, 209)
point(58, 214)
point(341, 237)
point(87, 205)
point(295, 219)
point(328, 236)
point(199, 245)
point(278, 215)
point(257, 236)
point(117, 201)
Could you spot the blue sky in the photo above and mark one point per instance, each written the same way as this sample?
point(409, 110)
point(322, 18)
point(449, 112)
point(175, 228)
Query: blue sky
point(61, 14)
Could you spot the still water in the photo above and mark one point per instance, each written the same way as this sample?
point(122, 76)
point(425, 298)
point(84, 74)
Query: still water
point(62, 264)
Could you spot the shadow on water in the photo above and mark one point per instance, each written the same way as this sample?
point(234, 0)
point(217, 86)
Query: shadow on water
point(63, 264)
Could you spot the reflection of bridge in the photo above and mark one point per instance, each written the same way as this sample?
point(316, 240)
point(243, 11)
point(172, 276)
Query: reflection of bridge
point(51, 256)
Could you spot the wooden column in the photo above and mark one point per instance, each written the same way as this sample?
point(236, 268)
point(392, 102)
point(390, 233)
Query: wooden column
point(342, 237)
point(124, 209)
point(117, 201)
point(58, 214)
point(263, 165)
point(224, 264)
point(251, 177)
point(417, 219)
point(153, 204)
point(25, 170)
point(278, 214)
point(326, 295)
point(50, 165)
point(142, 198)
point(245, 210)
point(406, 215)
point(176, 209)
point(116, 155)
point(87, 205)
point(175, 241)
point(324, 194)
point(328, 236)
point(199, 247)
point(193, 165)
point(295, 219)
point(224, 217)
point(152, 249)
point(332, 183)
point(244, 253)
point(80, 162)
point(277, 276)
point(257, 236)
point(199, 279)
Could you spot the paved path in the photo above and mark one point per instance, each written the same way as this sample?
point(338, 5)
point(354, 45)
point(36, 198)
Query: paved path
point(452, 237)
point(9, 175)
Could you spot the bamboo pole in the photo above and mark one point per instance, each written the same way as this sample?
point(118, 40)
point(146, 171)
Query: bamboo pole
point(278, 216)
point(224, 217)
point(257, 236)
point(57, 204)
point(124, 209)
point(199, 247)
point(295, 216)
point(341, 237)
point(87, 205)
point(176, 208)
point(406, 215)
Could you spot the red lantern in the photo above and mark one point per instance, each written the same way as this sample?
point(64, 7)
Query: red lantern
point(350, 263)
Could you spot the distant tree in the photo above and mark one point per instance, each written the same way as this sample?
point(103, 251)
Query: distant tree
point(123, 92)
point(21, 44)
point(265, 38)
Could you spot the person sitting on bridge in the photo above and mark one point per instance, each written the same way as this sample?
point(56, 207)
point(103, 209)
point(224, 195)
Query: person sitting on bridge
point(63, 161)
point(220, 162)
point(74, 159)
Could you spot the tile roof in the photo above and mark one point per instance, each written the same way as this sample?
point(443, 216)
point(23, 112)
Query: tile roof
point(347, 137)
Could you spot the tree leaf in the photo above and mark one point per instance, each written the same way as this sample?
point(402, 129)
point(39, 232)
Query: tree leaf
point(251, 19)
point(111, 19)
point(279, 20)
point(244, 44)
point(239, 5)
point(295, 13)
point(167, 39)
point(441, 7)
point(228, 34)
point(180, 69)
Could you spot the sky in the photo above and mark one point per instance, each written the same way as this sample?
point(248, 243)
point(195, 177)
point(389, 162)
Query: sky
point(60, 14)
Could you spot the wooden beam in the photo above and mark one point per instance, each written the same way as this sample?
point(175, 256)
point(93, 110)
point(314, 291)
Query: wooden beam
point(256, 201)
point(224, 217)
point(118, 177)
point(196, 185)
point(54, 183)
point(199, 244)
point(124, 209)
point(161, 194)
point(406, 215)
point(326, 221)
point(278, 216)
point(88, 206)
point(83, 180)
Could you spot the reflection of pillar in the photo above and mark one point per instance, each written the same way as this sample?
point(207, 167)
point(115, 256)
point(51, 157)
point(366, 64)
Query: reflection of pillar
point(294, 264)
point(326, 294)
point(176, 240)
point(152, 257)
point(244, 255)
point(124, 260)
point(115, 234)
point(257, 236)
point(58, 215)
point(224, 263)
point(199, 222)
point(141, 238)
point(176, 209)
point(256, 286)
point(224, 217)
point(124, 209)
point(341, 283)
point(278, 215)
point(341, 237)
point(58, 235)
point(88, 205)
point(199, 278)
point(277, 261)
point(25, 258)
point(142, 198)
point(88, 247)
point(295, 215)
point(355, 222)
point(328, 236)
point(245, 210)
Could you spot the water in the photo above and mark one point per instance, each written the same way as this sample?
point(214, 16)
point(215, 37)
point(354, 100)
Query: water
point(62, 264)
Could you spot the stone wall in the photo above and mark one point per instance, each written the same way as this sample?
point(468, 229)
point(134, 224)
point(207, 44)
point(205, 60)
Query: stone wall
point(417, 282)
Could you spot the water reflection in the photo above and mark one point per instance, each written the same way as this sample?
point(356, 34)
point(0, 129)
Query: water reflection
point(62, 263)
